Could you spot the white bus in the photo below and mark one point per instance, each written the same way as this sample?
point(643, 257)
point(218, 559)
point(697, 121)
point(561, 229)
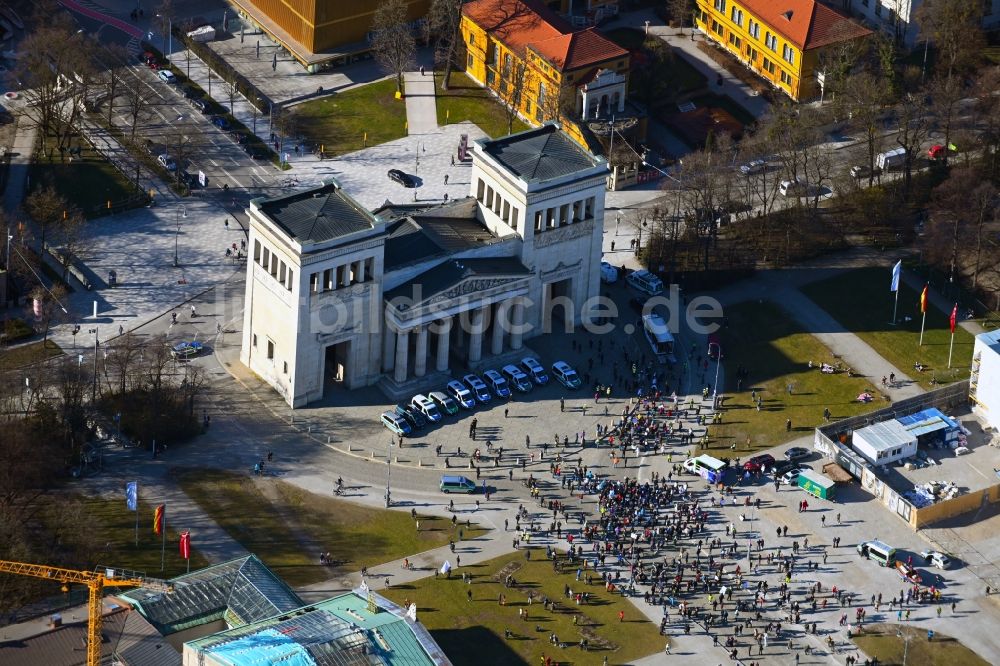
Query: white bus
point(709, 468)
point(659, 337)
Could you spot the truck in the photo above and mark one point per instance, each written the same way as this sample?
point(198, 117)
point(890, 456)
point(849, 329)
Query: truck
point(891, 159)
point(817, 484)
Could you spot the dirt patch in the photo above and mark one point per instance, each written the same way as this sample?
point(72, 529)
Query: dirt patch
point(595, 642)
point(508, 569)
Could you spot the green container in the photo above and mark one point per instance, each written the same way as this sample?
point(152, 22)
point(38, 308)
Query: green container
point(817, 485)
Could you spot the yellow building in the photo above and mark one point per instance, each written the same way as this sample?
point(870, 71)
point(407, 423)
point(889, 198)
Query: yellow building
point(537, 62)
point(780, 40)
point(317, 32)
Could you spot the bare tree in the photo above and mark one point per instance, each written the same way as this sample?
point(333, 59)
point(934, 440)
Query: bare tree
point(136, 105)
point(48, 209)
point(232, 92)
point(444, 22)
point(114, 59)
point(513, 79)
point(864, 101)
point(680, 11)
point(914, 126)
point(392, 39)
point(47, 307)
point(954, 28)
point(987, 110)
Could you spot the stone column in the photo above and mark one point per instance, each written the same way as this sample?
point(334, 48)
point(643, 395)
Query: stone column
point(516, 320)
point(359, 270)
point(476, 336)
point(444, 341)
point(499, 323)
point(420, 361)
point(345, 275)
point(402, 350)
point(388, 348)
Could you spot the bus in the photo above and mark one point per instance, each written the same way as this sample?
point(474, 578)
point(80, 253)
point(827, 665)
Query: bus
point(709, 468)
point(659, 337)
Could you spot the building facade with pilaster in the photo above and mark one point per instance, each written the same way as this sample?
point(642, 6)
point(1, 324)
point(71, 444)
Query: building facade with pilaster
point(409, 296)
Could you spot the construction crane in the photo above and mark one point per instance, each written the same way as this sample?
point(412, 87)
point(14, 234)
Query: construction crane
point(95, 582)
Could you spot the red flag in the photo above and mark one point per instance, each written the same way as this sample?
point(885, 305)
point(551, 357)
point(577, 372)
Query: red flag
point(954, 316)
point(158, 519)
point(923, 300)
point(186, 545)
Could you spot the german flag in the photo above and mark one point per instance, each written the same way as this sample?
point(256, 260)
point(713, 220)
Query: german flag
point(158, 517)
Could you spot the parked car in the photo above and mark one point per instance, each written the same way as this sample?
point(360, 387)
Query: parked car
point(167, 76)
point(396, 423)
point(497, 383)
point(517, 378)
point(759, 463)
point(444, 403)
point(797, 453)
point(190, 179)
point(415, 418)
point(535, 371)
point(424, 405)
point(403, 179)
point(187, 349)
point(461, 393)
point(791, 476)
point(793, 188)
point(864, 171)
point(609, 274)
point(221, 123)
point(936, 558)
point(566, 375)
point(200, 104)
point(936, 152)
point(167, 162)
point(478, 388)
point(189, 92)
point(753, 167)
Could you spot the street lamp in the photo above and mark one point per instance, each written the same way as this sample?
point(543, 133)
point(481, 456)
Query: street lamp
point(93, 393)
point(178, 214)
point(170, 35)
point(718, 364)
point(388, 474)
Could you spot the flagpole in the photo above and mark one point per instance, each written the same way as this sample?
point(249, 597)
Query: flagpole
point(923, 320)
point(951, 347)
point(163, 548)
point(137, 516)
point(895, 308)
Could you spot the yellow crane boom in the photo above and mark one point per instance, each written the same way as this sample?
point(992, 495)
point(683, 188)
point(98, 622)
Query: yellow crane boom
point(95, 582)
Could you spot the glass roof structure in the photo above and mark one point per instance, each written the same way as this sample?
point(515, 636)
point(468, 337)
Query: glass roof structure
point(240, 592)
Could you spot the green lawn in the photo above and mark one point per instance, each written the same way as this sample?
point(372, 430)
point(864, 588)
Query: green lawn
point(88, 181)
point(776, 352)
point(287, 527)
point(467, 100)
point(881, 641)
point(472, 632)
point(861, 301)
point(19, 357)
point(627, 38)
point(103, 530)
point(339, 123)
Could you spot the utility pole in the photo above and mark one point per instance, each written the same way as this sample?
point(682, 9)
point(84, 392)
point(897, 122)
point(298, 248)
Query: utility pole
point(388, 474)
point(93, 393)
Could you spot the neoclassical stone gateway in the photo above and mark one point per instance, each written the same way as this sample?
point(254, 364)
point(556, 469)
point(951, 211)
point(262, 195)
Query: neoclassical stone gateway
point(407, 295)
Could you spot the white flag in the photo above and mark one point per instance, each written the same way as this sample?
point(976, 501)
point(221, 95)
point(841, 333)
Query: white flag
point(896, 270)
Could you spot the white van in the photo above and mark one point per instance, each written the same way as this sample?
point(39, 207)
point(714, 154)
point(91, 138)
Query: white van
point(878, 551)
point(793, 188)
point(426, 406)
point(518, 379)
point(891, 159)
point(645, 282)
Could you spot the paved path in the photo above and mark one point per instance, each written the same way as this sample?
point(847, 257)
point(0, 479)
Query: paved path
point(421, 109)
point(686, 41)
point(20, 163)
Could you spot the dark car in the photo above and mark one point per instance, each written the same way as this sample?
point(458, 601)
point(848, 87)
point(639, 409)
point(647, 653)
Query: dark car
point(190, 179)
point(782, 466)
point(200, 104)
point(221, 123)
point(189, 92)
point(759, 463)
point(797, 453)
point(402, 178)
point(415, 418)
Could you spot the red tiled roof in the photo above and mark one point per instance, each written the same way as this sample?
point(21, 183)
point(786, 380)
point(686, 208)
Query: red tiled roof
point(806, 23)
point(523, 23)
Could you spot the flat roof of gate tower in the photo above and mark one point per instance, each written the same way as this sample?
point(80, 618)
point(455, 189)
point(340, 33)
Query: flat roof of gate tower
point(318, 214)
point(540, 154)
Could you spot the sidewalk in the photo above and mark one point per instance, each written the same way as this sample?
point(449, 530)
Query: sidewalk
point(20, 163)
point(687, 45)
point(421, 108)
